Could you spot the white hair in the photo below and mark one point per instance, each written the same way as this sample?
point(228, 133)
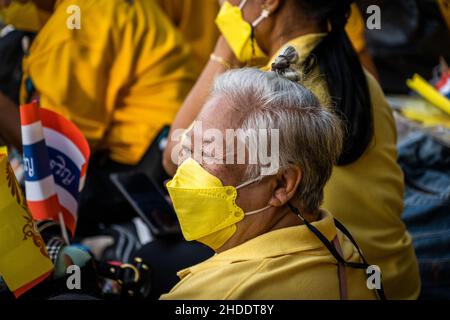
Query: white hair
point(310, 135)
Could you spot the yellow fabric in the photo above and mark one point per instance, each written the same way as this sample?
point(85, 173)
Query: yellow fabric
point(119, 79)
point(428, 118)
point(355, 29)
point(23, 256)
point(422, 87)
point(417, 109)
point(288, 263)
point(195, 20)
point(24, 16)
point(444, 6)
point(238, 33)
point(367, 196)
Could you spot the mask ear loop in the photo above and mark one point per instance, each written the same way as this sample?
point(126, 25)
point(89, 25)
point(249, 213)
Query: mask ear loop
point(248, 183)
point(242, 4)
point(264, 15)
point(270, 173)
point(251, 213)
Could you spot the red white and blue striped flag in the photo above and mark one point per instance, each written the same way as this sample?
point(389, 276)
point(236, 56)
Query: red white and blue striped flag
point(56, 156)
point(443, 86)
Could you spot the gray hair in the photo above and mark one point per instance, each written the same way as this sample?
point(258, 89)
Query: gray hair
point(310, 135)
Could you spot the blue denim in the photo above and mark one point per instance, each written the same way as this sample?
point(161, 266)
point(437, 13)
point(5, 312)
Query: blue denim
point(426, 165)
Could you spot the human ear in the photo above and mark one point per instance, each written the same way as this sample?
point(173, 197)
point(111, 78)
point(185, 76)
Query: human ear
point(287, 183)
point(271, 5)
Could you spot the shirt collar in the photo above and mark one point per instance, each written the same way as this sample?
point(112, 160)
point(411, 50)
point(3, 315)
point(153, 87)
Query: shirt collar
point(275, 243)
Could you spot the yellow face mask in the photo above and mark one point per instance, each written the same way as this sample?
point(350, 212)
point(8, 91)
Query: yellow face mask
point(206, 209)
point(239, 33)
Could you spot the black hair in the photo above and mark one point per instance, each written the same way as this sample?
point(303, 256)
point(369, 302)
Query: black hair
point(347, 83)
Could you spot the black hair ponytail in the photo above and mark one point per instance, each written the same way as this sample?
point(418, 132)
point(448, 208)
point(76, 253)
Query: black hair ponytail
point(347, 83)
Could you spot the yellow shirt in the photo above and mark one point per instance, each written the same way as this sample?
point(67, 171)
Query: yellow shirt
point(119, 79)
point(367, 195)
point(195, 20)
point(356, 28)
point(445, 11)
point(289, 263)
point(24, 16)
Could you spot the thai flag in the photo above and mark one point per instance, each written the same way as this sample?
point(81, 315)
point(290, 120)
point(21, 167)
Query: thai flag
point(443, 86)
point(56, 157)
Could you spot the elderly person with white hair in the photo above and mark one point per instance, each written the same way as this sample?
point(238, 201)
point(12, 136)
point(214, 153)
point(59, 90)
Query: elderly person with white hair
point(272, 240)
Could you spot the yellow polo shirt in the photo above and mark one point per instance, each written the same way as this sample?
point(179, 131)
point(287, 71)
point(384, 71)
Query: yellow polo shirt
point(195, 19)
point(120, 78)
point(367, 195)
point(24, 16)
point(289, 263)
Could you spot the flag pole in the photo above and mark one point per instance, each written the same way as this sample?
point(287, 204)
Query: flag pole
point(63, 228)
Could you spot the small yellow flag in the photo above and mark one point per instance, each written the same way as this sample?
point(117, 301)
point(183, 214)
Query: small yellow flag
point(422, 87)
point(24, 261)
